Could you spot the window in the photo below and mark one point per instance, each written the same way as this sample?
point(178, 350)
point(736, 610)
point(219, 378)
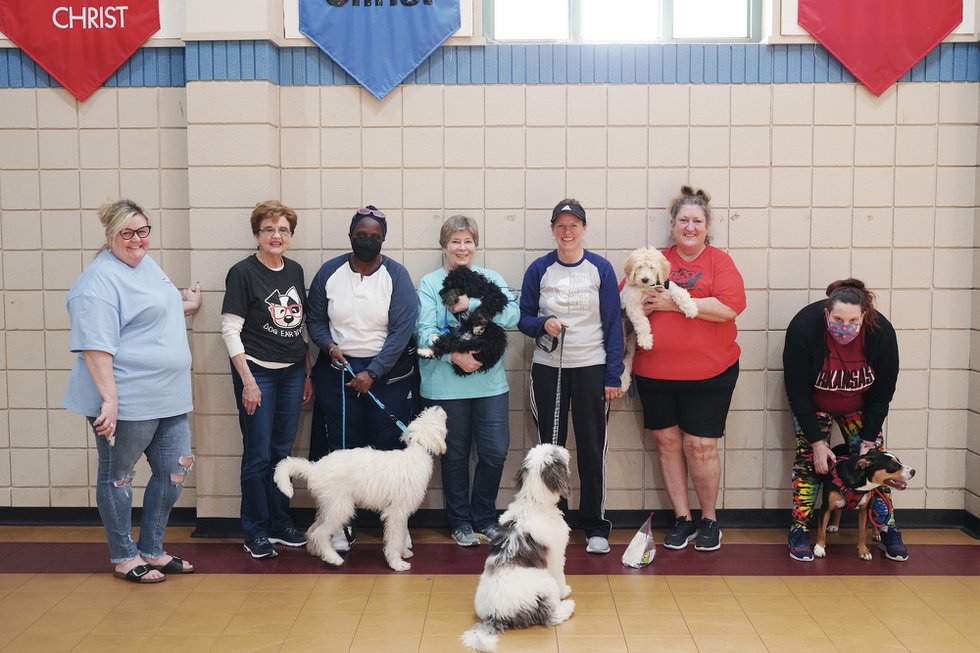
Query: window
point(623, 21)
point(537, 20)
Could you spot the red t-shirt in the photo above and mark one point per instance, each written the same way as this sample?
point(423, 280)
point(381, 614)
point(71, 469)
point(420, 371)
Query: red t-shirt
point(694, 350)
point(844, 378)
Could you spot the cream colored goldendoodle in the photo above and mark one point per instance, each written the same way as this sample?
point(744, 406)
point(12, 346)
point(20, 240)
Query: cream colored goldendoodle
point(393, 483)
point(646, 268)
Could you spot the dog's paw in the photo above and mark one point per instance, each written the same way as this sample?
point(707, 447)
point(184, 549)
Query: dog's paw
point(644, 340)
point(864, 554)
point(334, 559)
point(426, 352)
point(819, 551)
point(566, 591)
point(408, 553)
point(399, 565)
point(562, 612)
point(833, 528)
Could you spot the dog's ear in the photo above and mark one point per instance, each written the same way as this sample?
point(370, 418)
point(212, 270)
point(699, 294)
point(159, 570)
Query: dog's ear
point(864, 462)
point(629, 264)
point(663, 270)
point(555, 476)
point(520, 478)
point(428, 430)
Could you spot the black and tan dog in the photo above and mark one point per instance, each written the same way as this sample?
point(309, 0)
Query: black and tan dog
point(851, 484)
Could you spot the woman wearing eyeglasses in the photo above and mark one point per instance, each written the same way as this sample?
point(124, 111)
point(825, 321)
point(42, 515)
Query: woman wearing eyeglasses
point(362, 312)
point(132, 380)
point(571, 295)
point(476, 404)
point(262, 320)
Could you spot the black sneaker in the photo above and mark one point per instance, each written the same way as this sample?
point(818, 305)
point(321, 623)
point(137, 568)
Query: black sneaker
point(260, 548)
point(288, 537)
point(684, 531)
point(709, 536)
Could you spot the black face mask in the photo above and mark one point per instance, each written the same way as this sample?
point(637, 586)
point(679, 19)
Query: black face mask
point(365, 248)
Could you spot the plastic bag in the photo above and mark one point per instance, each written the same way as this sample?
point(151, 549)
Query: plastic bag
point(642, 548)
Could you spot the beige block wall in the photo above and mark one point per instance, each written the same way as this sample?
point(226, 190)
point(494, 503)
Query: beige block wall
point(810, 183)
point(59, 161)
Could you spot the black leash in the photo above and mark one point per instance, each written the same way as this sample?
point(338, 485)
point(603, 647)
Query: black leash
point(561, 352)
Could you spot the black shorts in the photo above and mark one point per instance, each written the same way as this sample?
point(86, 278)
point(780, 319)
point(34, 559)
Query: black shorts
point(698, 407)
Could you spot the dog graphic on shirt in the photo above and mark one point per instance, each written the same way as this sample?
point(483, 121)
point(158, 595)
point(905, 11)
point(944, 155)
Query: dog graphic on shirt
point(285, 308)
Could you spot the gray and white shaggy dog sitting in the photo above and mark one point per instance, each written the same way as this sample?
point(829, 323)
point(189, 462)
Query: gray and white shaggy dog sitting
point(391, 482)
point(523, 580)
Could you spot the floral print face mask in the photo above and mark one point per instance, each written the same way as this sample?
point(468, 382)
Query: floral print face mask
point(842, 333)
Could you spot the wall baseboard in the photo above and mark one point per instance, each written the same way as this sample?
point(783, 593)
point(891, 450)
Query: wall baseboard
point(228, 527)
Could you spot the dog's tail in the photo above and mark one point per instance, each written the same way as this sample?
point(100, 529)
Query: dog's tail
point(483, 636)
point(288, 467)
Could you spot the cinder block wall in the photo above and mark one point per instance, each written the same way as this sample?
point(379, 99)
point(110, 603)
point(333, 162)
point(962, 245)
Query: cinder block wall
point(810, 183)
point(59, 161)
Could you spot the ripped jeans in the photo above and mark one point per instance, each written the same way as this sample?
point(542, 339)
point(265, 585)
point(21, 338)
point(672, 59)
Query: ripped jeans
point(167, 445)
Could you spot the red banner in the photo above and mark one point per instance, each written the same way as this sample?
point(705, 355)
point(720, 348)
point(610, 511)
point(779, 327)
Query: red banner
point(880, 40)
point(79, 42)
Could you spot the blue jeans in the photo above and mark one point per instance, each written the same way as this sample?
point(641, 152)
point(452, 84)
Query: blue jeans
point(267, 437)
point(485, 421)
point(167, 445)
point(366, 425)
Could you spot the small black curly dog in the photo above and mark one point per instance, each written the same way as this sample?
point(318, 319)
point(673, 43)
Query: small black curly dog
point(476, 331)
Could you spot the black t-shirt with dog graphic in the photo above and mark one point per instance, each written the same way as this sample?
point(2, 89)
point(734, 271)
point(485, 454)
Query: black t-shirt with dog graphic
point(272, 303)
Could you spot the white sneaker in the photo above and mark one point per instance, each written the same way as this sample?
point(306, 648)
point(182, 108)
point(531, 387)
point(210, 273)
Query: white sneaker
point(342, 541)
point(597, 545)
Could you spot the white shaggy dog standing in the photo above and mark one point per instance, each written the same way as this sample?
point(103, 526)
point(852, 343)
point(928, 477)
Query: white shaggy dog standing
point(390, 482)
point(523, 580)
point(646, 268)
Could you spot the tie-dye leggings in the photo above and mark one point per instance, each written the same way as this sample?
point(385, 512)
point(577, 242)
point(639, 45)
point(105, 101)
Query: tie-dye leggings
point(807, 483)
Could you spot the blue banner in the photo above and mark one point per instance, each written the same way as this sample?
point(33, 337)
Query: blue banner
point(378, 42)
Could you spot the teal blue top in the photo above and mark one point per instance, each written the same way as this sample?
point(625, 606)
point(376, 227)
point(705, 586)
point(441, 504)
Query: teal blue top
point(439, 381)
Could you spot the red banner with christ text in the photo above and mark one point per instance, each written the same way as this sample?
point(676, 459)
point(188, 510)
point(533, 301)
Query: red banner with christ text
point(79, 42)
point(879, 40)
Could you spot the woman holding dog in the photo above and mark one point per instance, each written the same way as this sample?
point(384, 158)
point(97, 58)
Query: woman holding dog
point(262, 326)
point(840, 364)
point(477, 403)
point(570, 306)
point(132, 381)
point(685, 382)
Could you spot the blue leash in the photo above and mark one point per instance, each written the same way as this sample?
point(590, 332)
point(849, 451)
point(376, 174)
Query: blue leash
point(347, 368)
point(343, 413)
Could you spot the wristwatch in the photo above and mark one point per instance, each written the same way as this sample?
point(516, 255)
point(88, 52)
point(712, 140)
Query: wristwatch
point(373, 375)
